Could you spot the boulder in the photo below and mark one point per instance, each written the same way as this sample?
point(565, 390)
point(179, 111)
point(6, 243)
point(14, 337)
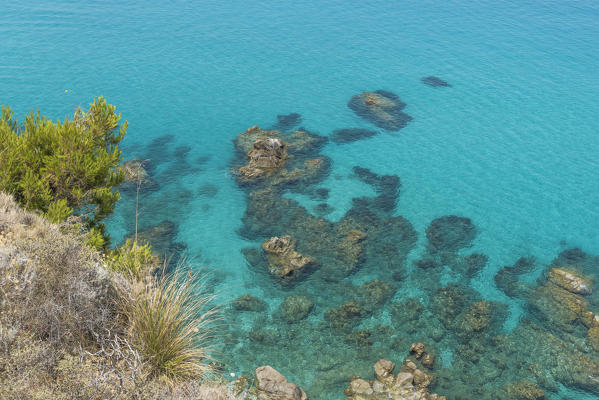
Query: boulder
point(284, 262)
point(571, 281)
point(272, 385)
point(266, 156)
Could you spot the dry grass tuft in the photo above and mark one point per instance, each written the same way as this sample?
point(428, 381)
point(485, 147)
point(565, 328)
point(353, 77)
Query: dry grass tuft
point(171, 322)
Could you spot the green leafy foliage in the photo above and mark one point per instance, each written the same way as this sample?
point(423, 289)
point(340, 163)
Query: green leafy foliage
point(61, 168)
point(132, 259)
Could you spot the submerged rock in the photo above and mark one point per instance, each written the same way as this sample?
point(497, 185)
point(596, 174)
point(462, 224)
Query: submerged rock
point(525, 390)
point(593, 337)
point(450, 233)
point(295, 308)
point(477, 318)
point(557, 305)
point(272, 385)
point(283, 261)
point(348, 135)
point(248, 302)
point(434, 81)
point(288, 121)
point(208, 190)
point(571, 281)
point(345, 316)
point(136, 173)
point(507, 280)
point(382, 108)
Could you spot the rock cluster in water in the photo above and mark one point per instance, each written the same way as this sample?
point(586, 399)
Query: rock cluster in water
point(410, 383)
point(351, 309)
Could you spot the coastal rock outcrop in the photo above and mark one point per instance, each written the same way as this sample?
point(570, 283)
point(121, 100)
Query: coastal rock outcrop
point(272, 385)
point(382, 108)
point(284, 261)
point(572, 282)
point(266, 156)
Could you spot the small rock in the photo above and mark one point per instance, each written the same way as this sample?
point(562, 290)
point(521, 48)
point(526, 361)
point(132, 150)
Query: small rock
point(418, 349)
point(383, 369)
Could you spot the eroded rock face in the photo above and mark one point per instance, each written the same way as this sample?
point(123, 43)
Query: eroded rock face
point(382, 108)
point(266, 156)
point(274, 158)
point(571, 281)
point(283, 261)
point(272, 385)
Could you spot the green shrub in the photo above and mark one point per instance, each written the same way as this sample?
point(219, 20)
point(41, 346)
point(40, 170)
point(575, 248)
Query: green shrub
point(133, 259)
point(66, 167)
point(171, 323)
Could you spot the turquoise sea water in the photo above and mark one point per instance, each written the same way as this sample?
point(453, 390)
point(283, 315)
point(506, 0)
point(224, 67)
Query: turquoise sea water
point(513, 144)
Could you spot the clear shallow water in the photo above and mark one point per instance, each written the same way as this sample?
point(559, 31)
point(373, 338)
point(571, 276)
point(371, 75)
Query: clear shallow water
point(512, 144)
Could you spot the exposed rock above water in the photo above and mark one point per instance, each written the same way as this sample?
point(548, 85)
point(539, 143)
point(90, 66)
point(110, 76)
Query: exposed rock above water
point(382, 108)
point(284, 262)
point(266, 156)
point(571, 281)
point(272, 385)
point(274, 158)
point(411, 383)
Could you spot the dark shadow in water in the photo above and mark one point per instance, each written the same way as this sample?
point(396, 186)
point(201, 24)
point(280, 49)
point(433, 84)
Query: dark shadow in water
point(434, 81)
point(348, 135)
